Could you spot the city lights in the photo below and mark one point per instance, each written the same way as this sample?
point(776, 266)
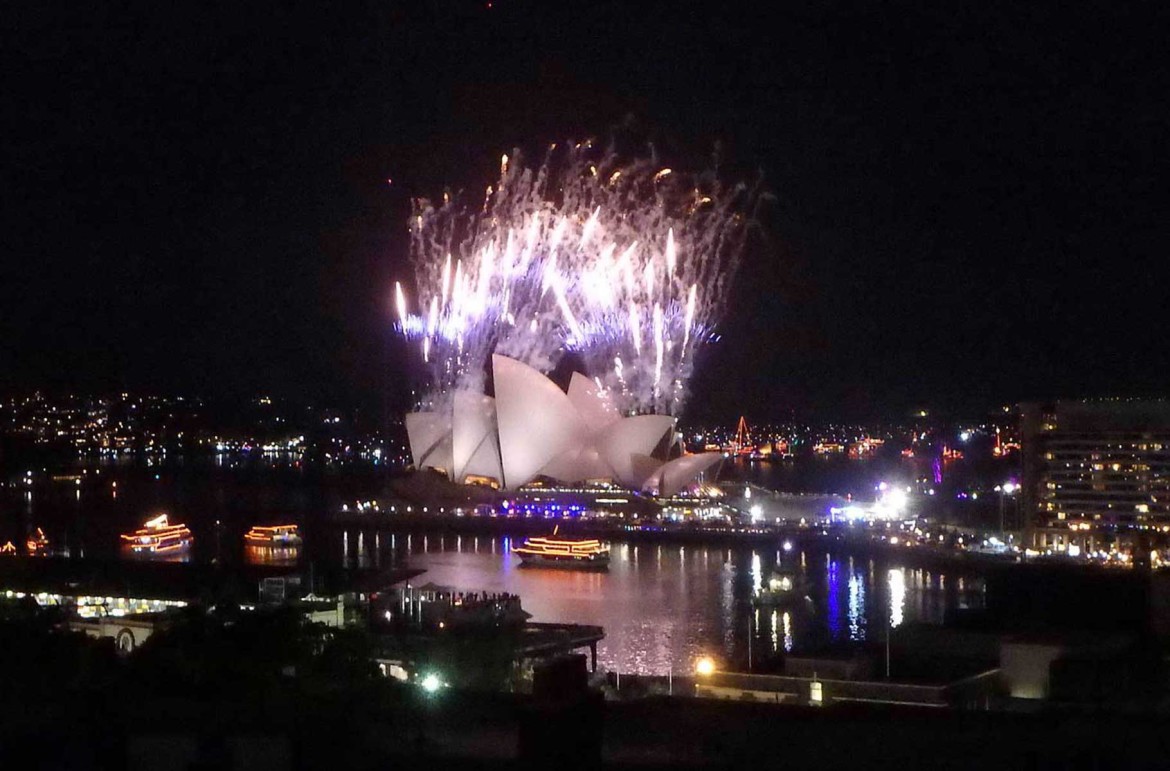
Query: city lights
point(582, 385)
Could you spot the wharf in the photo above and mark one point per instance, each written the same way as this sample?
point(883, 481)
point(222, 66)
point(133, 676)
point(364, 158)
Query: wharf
point(611, 529)
point(523, 644)
point(178, 581)
point(858, 542)
point(540, 640)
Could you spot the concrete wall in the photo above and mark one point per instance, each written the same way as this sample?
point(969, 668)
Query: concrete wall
point(742, 694)
point(801, 690)
point(1026, 668)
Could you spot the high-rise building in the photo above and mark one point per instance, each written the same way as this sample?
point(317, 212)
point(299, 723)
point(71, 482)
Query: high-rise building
point(1096, 475)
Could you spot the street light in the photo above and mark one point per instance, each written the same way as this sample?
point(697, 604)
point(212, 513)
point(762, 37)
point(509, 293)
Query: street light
point(749, 640)
point(1007, 488)
point(705, 666)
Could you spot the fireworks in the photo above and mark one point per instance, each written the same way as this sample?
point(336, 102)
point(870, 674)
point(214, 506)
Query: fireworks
point(626, 263)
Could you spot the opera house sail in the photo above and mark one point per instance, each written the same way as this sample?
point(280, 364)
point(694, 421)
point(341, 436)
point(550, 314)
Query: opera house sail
point(532, 429)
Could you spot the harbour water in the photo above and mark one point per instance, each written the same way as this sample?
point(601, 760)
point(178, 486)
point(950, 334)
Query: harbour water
point(661, 605)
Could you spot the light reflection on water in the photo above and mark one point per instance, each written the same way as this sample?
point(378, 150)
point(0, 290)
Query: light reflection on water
point(271, 555)
point(178, 555)
point(856, 605)
point(664, 606)
point(897, 579)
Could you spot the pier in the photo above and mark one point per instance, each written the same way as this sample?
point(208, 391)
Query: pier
point(540, 640)
point(417, 626)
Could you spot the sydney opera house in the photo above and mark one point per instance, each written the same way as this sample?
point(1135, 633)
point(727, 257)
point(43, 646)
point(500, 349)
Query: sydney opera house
point(534, 431)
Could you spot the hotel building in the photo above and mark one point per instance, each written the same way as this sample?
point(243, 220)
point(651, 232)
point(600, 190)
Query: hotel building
point(1096, 476)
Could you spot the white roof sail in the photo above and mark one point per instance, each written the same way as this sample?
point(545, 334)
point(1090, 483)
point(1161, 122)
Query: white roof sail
point(680, 472)
point(536, 420)
point(595, 406)
point(429, 434)
point(628, 438)
point(485, 461)
point(474, 447)
point(643, 467)
point(578, 464)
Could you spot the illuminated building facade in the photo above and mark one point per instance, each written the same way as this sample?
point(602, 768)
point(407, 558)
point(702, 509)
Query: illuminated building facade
point(532, 429)
point(1096, 476)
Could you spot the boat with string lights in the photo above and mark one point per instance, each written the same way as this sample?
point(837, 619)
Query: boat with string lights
point(159, 536)
point(37, 544)
point(273, 536)
point(566, 553)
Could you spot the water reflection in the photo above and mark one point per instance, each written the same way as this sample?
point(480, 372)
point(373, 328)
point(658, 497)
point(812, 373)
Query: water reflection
point(856, 606)
point(833, 597)
point(897, 582)
point(271, 555)
point(178, 555)
point(693, 601)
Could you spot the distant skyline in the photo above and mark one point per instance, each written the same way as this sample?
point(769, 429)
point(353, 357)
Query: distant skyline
point(968, 202)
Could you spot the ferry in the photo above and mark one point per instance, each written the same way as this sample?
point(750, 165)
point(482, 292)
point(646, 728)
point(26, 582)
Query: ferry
point(275, 536)
point(37, 544)
point(159, 536)
point(569, 553)
point(783, 588)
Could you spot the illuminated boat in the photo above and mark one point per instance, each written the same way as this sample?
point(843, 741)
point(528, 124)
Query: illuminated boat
point(783, 588)
point(569, 553)
point(274, 536)
point(158, 536)
point(37, 544)
point(8, 548)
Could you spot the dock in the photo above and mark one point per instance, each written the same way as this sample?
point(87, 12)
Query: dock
point(540, 640)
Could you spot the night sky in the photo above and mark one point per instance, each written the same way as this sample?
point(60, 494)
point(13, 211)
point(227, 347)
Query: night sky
point(970, 199)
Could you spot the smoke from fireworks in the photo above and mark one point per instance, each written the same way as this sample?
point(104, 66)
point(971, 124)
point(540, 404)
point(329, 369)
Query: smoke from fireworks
point(626, 263)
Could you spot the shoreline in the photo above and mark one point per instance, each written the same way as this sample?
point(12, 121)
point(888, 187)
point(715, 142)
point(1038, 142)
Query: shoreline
point(855, 542)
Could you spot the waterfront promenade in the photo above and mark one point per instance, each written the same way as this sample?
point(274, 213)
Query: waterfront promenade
point(891, 541)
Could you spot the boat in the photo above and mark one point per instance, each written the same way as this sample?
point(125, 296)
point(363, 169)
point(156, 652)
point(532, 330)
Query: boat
point(783, 588)
point(37, 544)
point(274, 536)
point(159, 536)
point(567, 553)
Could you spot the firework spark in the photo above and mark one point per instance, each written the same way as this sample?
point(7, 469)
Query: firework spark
point(626, 263)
